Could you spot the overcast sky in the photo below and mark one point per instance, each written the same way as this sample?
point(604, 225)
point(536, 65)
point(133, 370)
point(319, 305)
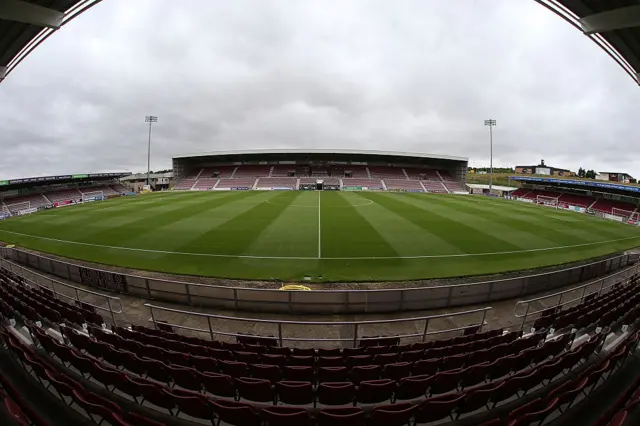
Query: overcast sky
point(410, 75)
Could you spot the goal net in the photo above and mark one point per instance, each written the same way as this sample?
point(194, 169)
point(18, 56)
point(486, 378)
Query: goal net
point(92, 196)
point(626, 214)
point(17, 207)
point(547, 201)
point(4, 210)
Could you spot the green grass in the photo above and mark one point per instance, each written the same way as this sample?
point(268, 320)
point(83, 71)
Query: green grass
point(328, 236)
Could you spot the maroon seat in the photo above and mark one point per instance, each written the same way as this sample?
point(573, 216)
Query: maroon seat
point(349, 416)
point(333, 374)
point(330, 361)
point(266, 372)
point(474, 374)
point(274, 359)
point(257, 390)
point(445, 381)
point(356, 360)
point(386, 358)
point(338, 393)
point(236, 413)
point(298, 373)
point(426, 366)
point(95, 405)
point(218, 384)
point(329, 352)
point(247, 357)
point(233, 368)
point(308, 361)
point(413, 387)
point(478, 397)
point(365, 372)
point(374, 391)
point(193, 404)
point(16, 413)
point(286, 416)
point(411, 355)
point(453, 362)
point(295, 393)
point(157, 370)
point(391, 415)
point(204, 363)
point(397, 371)
point(438, 408)
point(185, 377)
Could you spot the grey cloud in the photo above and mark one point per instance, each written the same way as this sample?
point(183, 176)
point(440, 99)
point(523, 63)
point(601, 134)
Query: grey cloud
point(415, 76)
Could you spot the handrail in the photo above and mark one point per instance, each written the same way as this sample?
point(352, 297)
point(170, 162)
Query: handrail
point(280, 323)
point(53, 282)
point(626, 272)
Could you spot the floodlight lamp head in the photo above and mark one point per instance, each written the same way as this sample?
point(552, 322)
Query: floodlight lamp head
point(489, 122)
point(151, 119)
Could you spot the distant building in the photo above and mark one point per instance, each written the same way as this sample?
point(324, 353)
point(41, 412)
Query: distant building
point(614, 177)
point(543, 169)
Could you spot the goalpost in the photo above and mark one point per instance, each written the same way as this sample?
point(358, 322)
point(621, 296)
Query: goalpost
point(547, 201)
point(92, 196)
point(626, 214)
point(18, 207)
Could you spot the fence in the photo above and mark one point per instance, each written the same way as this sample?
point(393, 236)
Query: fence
point(576, 295)
point(58, 288)
point(320, 301)
point(477, 315)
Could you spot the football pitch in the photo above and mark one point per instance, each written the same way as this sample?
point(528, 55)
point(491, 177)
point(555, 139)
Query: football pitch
point(318, 236)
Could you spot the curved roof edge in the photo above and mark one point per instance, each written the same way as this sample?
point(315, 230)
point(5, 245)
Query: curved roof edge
point(323, 151)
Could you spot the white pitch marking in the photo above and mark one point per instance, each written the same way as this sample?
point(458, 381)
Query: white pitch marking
point(319, 229)
point(234, 256)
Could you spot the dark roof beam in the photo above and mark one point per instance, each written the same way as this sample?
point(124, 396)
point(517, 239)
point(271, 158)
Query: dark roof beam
point(3, 72)
point(616, 19)
point(21, 11)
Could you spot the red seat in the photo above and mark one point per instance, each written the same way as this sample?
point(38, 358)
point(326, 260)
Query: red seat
point(16, 412)
point(349, 416)
point(236, 413)
point(438, 408)
point(413, 387)
point(193, 404)
point(266, 372)
point(218, 384)
point(333, 374)
point(391, 415)
point(286, 416)
point(374, 391)
point(338, 393)
point(257, 390)
point(295, 393)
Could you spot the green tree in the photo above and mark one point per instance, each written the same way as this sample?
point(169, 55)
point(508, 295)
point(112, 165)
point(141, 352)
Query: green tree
point(590, 174)
point(581, 172)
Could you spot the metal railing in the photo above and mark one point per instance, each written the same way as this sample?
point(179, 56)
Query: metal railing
point(601, 284)
point(420, 296)
point(279, 335)
point(40, 280)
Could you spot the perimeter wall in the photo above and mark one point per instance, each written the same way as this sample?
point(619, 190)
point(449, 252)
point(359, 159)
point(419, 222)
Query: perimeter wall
point(320, 301)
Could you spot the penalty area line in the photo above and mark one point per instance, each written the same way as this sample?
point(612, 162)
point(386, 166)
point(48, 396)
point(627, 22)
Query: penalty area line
point(240, 256)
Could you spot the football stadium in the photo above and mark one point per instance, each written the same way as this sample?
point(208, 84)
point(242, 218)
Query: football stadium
point(313, 286)
point(321, 216)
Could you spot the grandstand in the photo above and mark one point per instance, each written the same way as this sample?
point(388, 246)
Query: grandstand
point(372, 170)
point(608, 200)
point(18, 196)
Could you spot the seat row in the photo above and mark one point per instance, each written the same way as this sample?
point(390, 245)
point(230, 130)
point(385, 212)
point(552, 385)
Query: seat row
point(195, 404)
point(261, 344)
point(34, 302)
point(583, 314)
point(209, 359)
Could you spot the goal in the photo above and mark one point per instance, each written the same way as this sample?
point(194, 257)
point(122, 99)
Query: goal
point(4, 211)
point(92, 196)
point(16, 207)
point(625, 214)
point(547, 201)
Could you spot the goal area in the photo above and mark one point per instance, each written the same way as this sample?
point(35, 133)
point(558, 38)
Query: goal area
point(547, 201)
point(92, 196)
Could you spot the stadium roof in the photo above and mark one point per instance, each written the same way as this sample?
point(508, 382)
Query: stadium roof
point(24, 24)
point(322, 151)
point(614, 25)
